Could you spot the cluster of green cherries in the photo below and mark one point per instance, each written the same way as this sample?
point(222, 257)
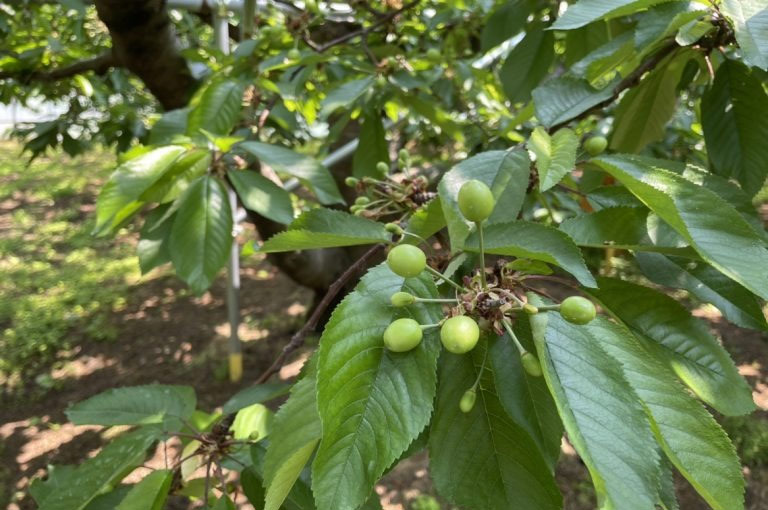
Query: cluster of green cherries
point(459, 334)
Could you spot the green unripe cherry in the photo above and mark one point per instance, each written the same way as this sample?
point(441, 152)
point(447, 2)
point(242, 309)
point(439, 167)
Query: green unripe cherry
point(578, 310)
point(406, 260)
point(433, 55)
point(293, 54)
point(459, 334)
point(394, 228)
point(467, 401)
point(595, 145)
point(531, 364)
point(402, 335)
point(362, 201)
point(402, 299)
point(530, 309)
point(351, 181)
point(476, 201)
point(382, 167)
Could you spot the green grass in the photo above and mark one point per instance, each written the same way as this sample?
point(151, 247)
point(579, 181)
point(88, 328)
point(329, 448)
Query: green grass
point(59, 284)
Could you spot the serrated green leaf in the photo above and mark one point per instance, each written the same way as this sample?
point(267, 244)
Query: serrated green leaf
point(136, 405)
point(681, 341)
point(168, 126)
point(201, 236)
point(505, 172)
point(533, 241)
point(253, 421)
point(527, 64)
point(120, 197)
point(256, 394)
point(188, 167)
point(561, 99)
point(81, 485)
point(307, 169)
point(526, 399)
point(150, 493)
point(217, 109)
point(373, 402)
point(483, 459)
point(325, 228)
point(712, 227)
point(737, 304)
point(555, 155)
point(152, 248)
point(297, 431)
point(261, 195)
point(601, 413)
point(584, 12)
point(750, 21)
point(734, 116)
point(504, 22)
point(426, 221)
point(626, 228)
point(372, 147)
point(345, 94)
point(688, 434)
point(644, 111)
point(662, 21)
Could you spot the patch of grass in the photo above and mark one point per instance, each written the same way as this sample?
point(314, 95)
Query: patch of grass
point(59, 284)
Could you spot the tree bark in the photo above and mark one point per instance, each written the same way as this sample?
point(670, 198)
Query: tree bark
point(143, 41)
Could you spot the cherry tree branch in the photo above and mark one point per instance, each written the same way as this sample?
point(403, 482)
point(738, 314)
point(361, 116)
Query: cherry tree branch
point(100, 65)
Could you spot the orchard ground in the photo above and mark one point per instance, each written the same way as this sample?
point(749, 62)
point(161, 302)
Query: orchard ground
point(77, 318)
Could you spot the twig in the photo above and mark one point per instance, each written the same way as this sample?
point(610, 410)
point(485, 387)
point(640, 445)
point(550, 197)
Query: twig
point(297, 340)
point(99, 65)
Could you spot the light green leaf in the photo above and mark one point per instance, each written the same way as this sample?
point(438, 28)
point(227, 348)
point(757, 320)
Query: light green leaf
point(527, 64)
point(426, 221)
point(136, 405)
point(750, 21)
point(256, 394)
point(483, 459)
point(261, 195)
point(170, 125)
point(688, 434)
point(555, 155)
point(254, 421)
point(344, 95)
point(734, 116)
point(217, 109)
point(188, 167)
point(601, 413)
point(150, 493)
point(308, 170)
point(325, 228)
point(584, 12)
point(81, 485)
point(737, 304)
point(561, 99)
point(201, 237)
point(297, 431)
point(712, 227)
point(626, 228)
point(119, 198)
point(644, 111)
point(373, 402)
point(505, 172)
point(601, 65)
point(526, 399)
point(681, 341)
point(372, 148)
point(534, 241)
point(152, 248)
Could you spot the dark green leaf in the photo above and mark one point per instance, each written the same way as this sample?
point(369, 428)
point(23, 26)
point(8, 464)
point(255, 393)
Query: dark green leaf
point(584, 12)
point(217, 109)
point(256, 394)
point(527, 64)
point(345, 95)
point(681, 341)
point(750, 21)
point(505, 22)
point(734, 115)
point(534, 241)
point(561, 99)
point(427, 220)
point(152, 248)
point(308, 170)
point(483, 459)
point(555, 155)
point(261, 195)
point(171, 124)
point(372, 148)
point(373, 402)
point(325, 228)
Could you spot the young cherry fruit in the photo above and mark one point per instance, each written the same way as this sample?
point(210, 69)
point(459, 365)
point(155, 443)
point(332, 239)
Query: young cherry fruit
point(595, 145)
point(402, 335)
point(578, 310)
point(476, 201)
point(531, 364)
point(402, 299)
point(467, 401)
point(459, 334)
point(406, 260)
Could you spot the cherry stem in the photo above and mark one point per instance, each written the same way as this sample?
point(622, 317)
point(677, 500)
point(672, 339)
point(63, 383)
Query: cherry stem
point(512, 335)
point(547, 308)
point(430, 326)
point(482, 367)
point(440, 276)
point(479, 225)
point(435, 300)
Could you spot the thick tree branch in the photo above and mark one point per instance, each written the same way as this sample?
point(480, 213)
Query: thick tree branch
point(98, 65)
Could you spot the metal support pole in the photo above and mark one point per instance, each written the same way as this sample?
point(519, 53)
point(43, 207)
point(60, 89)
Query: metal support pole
point(221, 36)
